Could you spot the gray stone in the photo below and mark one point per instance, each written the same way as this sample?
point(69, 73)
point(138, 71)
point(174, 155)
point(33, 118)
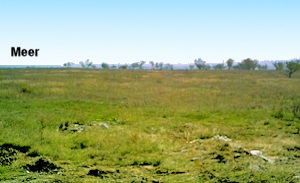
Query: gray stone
point(254, 167)
point(103, 125)
point(267, 159)
point(195, 158)
point(237, 155)
point(296, 177)
point(259, 154)
point(222, 138)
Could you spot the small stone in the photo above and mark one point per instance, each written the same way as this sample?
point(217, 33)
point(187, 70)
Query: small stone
point(259, 154)
point(254, 167)
point(237, 155)
point(195, 158)
point(297, 177)
point(149, 167)
point(256, 152)
point(193, 141)
point(103, 125)
point(267, 159)
point(74, 130)
point(223, 138)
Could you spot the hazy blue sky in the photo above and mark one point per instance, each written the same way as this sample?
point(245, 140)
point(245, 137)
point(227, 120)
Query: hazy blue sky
point(169, 31)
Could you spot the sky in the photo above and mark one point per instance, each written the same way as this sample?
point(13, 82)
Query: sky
point(169, 31)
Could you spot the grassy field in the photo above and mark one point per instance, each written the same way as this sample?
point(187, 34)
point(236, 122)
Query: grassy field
point(68, 125)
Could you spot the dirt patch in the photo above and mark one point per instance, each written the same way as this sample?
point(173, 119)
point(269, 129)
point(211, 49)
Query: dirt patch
point(42, 165)
point(8, 153)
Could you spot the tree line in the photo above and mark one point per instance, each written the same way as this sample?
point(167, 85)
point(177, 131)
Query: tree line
point(289, 67)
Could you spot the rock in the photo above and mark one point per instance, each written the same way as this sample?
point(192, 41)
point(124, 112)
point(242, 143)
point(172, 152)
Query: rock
point(195, 158)
point(193, 141)
point(254, 167)
point(237, 155)
point(256, 152)
point(74, 128)
point(183, 151)
point(63, 126)
point(259, 154)
point(223, 138)
point(103, 125)
point(267, 159)
point(296, 178)
point(149, 167)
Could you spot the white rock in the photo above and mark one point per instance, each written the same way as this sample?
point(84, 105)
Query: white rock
point(193, 141)
point(267, 159)
point(256, 152)
point(223, 138)
point(259, 154)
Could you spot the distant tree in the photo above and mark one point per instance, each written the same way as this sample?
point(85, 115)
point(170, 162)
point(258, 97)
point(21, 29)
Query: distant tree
point(87, 64)
point(113, 66)
point(206, 67)
point(229, 63)
point(152, 64)
point(137, 65)
point(236, 67)
point(134, 65)
point(200, 64)
point(262, 67)
point(219, 66)
point(104, 65)
point(68, 64)
point(158, 65)
point(292, 66)
point(278, 66)
point(141, 64)
point(168, 66)
point(191, 66)
point(125, 66)
point(247, 64)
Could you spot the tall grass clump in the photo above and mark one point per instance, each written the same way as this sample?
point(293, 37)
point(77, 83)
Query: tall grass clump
point(288, 109)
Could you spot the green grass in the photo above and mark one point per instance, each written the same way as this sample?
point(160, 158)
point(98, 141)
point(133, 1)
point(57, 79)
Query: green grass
point(152, 116)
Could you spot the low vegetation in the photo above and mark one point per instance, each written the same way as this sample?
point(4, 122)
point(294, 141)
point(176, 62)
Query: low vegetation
point(79, 125)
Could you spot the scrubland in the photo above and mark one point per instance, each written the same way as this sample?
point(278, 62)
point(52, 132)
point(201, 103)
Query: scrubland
point(148, 126)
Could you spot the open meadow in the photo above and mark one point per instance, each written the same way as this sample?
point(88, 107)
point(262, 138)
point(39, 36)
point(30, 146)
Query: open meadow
point(84, 125)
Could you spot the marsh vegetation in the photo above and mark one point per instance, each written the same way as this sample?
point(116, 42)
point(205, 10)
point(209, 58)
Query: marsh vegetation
point(148, 125)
